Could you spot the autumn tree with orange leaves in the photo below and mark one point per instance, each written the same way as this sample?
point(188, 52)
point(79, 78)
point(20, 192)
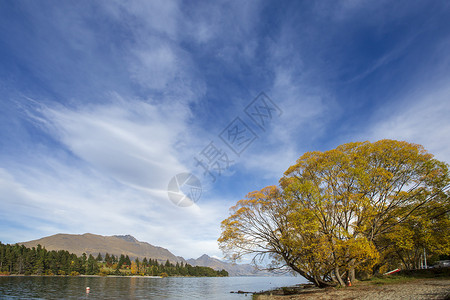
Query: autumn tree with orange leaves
point(338, 211)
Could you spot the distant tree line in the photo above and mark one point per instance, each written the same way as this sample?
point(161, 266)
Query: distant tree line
point(18, 259)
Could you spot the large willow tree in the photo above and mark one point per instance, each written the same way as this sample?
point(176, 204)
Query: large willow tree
point(342, 210)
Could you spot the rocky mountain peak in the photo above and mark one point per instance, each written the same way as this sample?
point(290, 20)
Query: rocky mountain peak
point(127, 237)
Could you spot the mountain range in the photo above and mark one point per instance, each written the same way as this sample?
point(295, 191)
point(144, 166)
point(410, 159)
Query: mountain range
point(232, 268)
point(128, 245)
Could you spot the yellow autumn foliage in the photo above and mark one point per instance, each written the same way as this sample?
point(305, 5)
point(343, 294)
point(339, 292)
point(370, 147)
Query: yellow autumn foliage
point(343, 210)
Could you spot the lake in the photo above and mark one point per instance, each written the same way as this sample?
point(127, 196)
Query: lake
point(42, 287)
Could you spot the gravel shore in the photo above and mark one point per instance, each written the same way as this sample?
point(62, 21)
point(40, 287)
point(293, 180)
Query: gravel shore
point(415, 289)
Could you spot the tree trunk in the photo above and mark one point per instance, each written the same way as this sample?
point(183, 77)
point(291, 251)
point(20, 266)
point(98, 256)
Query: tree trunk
point(338, 276)
point(351, 271)
point(317, 281)
point(376, 269)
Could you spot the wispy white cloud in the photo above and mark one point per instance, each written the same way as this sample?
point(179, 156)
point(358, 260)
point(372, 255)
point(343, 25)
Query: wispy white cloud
point(147, 16)
point(76, 200)
point(130, 141)
point(154, 67)
point(307, 108)
point(222, 22)
point(421, 117)
point(125, 153)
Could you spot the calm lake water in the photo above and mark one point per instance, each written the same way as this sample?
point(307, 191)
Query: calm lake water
point(29, 287)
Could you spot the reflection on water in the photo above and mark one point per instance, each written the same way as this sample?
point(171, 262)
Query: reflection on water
point(34, 287)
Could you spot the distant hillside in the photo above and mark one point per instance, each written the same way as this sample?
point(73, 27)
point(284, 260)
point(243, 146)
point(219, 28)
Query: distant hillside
point(128, 245)
point(94, 244)
point(232, 269)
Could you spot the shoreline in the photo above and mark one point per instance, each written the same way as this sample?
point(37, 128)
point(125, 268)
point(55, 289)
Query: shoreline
point(81, 275)
point(423, 288)
point(112, 276)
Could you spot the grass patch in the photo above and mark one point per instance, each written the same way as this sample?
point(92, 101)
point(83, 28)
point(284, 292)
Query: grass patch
point(392, 279)
point(410, 275)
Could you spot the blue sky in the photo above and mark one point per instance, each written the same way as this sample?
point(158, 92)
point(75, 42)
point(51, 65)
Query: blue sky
point(103, 102)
